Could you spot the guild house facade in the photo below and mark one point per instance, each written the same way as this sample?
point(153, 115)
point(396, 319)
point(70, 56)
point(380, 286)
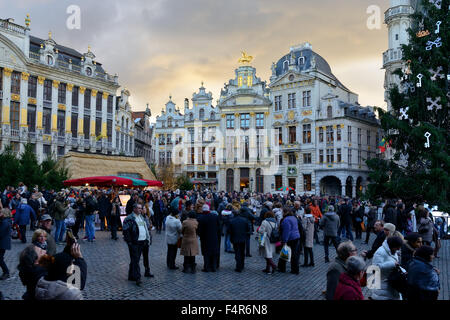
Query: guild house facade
point(304, 129)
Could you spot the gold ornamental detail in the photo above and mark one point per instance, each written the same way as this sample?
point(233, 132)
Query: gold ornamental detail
point(94, 92)
point(25, 76)
point(41, 80)
point(245, 59)
point(105, 95)
point(7, 72)
point(82, 90)
point(69, 87)
point(32, 101)
point(15, 97)
point(55, 84)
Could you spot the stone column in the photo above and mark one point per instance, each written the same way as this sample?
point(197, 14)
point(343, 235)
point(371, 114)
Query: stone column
point(252, 176)
point(55, 117)
point(6, 125)
point(353, 189)
point(343, 187)
point(23, 133)
point(237, 179)
point(81, 118)
point(114, 133)
point(104, 132)
point(39, 115)
point(68, 145)
point(92, 135)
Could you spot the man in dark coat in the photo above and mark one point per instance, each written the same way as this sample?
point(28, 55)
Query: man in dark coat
point(209, 232)
point(104, 209)
point(247, 213)
point(390, 214)
point(130, 203)
point(381, 236)
point(240, 227)
point(345, 213)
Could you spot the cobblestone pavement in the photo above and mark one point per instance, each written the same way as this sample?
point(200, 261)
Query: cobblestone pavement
point(108, 261)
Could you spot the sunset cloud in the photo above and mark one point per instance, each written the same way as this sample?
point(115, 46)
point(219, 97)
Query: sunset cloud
point(168, 47)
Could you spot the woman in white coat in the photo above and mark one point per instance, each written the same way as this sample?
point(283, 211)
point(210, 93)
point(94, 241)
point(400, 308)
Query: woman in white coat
point(267, 251)
point(386, 258)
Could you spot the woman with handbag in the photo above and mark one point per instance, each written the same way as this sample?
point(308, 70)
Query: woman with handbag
point(189, 244)
point(173, 233)
point(114, 217)
point(386, 258)
point(267, 250)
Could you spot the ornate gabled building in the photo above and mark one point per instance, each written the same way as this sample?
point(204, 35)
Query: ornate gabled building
point(52, 96)
point(245, 154)
point(143, 135)
point(322, 135)
point(168, 134)
point(124, 125)
point(201, 127)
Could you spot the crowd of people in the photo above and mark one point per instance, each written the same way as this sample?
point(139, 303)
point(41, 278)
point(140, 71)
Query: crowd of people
point(285, 226)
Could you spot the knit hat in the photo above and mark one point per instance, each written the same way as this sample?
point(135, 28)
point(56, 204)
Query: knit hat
point(390, 227)
point(205, 208)
point(330, 208)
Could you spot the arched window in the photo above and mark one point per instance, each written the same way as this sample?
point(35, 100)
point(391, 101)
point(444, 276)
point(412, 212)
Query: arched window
point(127, 124)
point(301, 61)
point(202, 114)
point(285, 65)
point(230, 180)
point(169, 122)
point(191, 117)
point(330, 112)
point(213, 116)
point(123, 122)
point(259, 181)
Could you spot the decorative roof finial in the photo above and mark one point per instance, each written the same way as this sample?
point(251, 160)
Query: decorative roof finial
point(49, 34)
point(27, 21)
point(170, 97)
point(202, 83)
point(89, 48)
point(245, 59)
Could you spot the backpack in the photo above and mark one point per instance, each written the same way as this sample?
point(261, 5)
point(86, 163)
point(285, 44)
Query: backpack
point(275, 235)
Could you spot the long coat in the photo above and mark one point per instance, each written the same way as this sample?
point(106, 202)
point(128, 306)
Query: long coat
point(308, 226)
point(189, 244)
point(209, 232)
point(386, 261)
point(5, 233)
point(269, 248)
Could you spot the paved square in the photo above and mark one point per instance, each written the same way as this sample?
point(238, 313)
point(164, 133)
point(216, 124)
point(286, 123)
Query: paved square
point(108, 260)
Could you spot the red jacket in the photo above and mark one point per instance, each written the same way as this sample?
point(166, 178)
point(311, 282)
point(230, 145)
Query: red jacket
point(315, 211)
point(348, 289)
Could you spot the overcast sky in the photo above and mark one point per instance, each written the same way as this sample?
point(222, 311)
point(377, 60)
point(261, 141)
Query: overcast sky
point(167, 47)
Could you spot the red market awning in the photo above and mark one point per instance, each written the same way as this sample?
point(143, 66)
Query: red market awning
point(111, 181)
point(153, 183)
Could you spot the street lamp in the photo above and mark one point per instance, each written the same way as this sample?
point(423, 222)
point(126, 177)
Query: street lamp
point(251, 184)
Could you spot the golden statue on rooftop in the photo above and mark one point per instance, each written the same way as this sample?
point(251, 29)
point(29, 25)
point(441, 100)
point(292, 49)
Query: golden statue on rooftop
point(245, 58)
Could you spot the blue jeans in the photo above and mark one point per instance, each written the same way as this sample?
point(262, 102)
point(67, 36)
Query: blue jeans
point(60, 229)
point(90, 231)
point(347, 231)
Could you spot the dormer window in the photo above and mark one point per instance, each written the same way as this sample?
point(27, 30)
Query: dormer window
point(202, 114)
point(49, 60)
point(213, 116)
point(301, 61)
point(169, 122)
point(89, 71)
point(285, 65)
point(191, 117)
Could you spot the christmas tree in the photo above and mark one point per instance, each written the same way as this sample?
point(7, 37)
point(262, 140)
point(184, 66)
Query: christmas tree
point(417, 127)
